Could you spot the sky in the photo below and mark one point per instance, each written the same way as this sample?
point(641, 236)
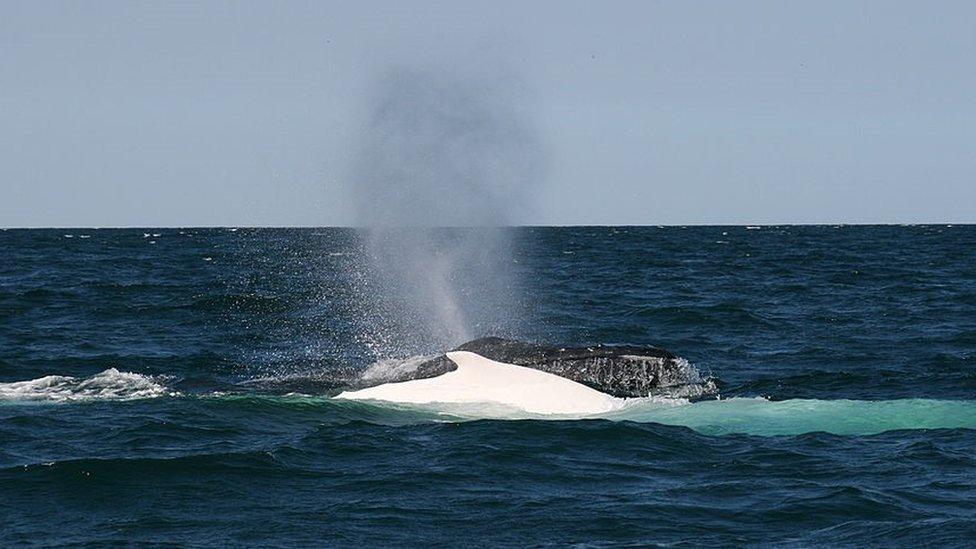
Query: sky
point(251, 113)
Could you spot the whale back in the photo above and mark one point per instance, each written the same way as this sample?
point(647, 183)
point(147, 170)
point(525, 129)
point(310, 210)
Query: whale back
point(477, 380)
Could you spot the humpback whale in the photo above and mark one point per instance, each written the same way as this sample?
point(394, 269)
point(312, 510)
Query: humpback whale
point(621, 371)
point(479, 380)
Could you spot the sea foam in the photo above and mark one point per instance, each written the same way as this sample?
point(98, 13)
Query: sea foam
point(108, 385)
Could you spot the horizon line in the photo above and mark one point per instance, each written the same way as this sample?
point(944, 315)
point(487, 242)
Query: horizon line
point(527, 226)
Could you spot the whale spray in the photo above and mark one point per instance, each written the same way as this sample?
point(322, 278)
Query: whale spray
point(448, 160)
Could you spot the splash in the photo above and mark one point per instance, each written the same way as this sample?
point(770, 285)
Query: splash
point(108, 385)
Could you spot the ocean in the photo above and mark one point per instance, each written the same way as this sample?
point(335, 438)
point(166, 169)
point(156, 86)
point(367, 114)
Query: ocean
point(166, 386)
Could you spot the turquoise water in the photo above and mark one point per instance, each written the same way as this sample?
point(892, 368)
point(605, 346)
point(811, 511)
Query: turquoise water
point(176, 389)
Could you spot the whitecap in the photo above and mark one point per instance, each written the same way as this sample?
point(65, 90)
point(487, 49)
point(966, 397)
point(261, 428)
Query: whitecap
point(108, 385)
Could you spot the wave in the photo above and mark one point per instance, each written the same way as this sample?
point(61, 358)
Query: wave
point(722, 416)
point(108, 385)
point(742, 416)
point(759, 416)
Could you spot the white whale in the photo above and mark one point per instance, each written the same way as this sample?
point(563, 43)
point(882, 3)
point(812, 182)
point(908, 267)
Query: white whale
point(478, 380)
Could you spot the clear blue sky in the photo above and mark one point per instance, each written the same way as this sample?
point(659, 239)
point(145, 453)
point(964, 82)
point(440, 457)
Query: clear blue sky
point(246, 113)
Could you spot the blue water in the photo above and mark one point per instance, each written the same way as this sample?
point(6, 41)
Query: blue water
point(173, 386)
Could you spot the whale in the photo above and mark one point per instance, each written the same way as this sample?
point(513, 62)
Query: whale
point(479, 380)
point(612, 371)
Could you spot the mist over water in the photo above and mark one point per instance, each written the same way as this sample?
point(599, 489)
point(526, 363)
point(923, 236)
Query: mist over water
point(447, 160)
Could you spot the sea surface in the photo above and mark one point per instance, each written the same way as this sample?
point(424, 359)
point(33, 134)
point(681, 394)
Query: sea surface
point(173, 386)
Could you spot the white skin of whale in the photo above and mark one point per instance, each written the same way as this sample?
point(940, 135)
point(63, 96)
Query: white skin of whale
point(480, 380)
